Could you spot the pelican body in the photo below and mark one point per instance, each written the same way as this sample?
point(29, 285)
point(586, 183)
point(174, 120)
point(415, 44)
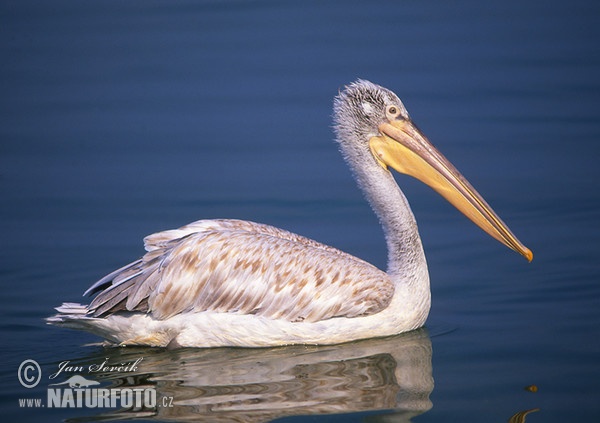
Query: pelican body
point(216, 283)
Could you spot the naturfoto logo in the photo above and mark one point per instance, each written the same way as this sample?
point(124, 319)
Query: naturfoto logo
point(79, 391)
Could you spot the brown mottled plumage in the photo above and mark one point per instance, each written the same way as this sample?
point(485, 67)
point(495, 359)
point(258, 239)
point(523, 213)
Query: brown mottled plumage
point(234, 266)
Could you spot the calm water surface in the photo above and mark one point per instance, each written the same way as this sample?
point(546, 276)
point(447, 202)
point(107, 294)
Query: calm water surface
point(119, 119)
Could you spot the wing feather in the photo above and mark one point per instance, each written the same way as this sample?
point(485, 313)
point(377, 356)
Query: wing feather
point(243, 267)
point(108, 280)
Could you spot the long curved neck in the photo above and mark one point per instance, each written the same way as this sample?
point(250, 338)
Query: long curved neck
point(406, 258)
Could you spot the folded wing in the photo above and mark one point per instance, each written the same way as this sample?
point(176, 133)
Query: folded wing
point(233, 266)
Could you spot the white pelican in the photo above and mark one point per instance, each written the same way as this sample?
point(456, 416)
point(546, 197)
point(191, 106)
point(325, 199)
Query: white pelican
point(236, 283)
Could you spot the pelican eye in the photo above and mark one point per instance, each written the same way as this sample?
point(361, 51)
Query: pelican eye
point(392, 112)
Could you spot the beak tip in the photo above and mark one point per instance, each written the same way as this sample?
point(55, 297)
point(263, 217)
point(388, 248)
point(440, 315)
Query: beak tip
point(528, 254)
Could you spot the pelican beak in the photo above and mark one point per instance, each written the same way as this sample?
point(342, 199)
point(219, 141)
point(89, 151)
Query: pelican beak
point(403, 147)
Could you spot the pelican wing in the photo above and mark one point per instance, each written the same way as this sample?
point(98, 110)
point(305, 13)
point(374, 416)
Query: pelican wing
point(234, 266)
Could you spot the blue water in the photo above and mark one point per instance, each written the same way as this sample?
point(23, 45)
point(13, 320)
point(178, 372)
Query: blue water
point(119, 119)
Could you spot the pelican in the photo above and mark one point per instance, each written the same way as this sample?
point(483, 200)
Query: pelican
point(216, 283)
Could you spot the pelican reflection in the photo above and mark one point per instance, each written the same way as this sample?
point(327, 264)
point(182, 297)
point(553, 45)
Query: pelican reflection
point(260, 385)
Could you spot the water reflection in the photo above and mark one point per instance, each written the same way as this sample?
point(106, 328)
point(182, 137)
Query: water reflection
point(259, 385)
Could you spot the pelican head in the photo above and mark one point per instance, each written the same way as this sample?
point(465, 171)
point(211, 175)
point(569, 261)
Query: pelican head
point(375, 133)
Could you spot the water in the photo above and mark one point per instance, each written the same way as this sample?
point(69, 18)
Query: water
point(122, 119)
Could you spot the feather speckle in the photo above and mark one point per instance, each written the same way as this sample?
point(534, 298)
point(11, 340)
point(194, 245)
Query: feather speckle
point(233, 266)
